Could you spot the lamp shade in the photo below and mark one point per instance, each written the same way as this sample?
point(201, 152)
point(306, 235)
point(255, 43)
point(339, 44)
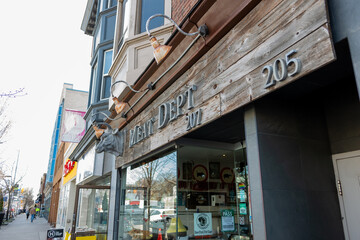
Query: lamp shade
point(119, 106)
point(98, 131)
point(160, 51)
point(180, 227)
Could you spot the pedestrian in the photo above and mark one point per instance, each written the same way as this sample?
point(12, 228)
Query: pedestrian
point(32, 212)
point(37, 211)
point(27, 214)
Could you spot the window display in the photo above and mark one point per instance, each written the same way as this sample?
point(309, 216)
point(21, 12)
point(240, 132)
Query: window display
point(195, 192)
point(215, 207)
point(149, 199)
point(93, 210)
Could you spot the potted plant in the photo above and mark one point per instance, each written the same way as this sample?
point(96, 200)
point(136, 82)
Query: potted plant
point(2, 213)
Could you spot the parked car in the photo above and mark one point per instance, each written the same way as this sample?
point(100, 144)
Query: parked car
point(161, 215)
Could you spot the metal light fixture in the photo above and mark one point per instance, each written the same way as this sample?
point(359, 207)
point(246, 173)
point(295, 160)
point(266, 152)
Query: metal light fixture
point(98, 131)
point(96, 123)
point(119, 106)
point(161, 51)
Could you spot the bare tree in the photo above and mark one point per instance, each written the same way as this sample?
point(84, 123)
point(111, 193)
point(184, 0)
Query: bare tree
point(157, 181)
point(13, 94)
point(28, 197)
point(5, 123)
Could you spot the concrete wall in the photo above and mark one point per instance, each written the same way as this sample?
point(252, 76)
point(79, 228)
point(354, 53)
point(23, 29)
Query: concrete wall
point(297, 176)
point(343, 117)
point(345, 23)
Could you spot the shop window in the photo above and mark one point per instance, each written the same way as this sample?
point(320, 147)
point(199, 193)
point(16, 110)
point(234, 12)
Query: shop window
point(213, 200)
point(193, 193)
point(149, 205)
point(92, 213)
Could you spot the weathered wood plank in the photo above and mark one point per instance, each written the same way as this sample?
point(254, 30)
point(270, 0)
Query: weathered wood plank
point(229, 75)
point(314, 51)
point(174, 130)
point(263, 23)
point(294, 31)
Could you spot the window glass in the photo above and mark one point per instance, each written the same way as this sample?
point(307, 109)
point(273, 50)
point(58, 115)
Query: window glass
point(106, 84)
point(107, 61)
point(112, 3)
point(149, 8)
point(85, 166)
point(97, 35)
point(92, 215)
point(213, 200)
point(149, 205)
point(93, 86)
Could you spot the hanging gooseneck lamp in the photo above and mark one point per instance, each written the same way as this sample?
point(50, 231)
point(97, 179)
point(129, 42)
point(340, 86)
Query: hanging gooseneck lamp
point(96, 123)
point(119, 106)
point(161, 51)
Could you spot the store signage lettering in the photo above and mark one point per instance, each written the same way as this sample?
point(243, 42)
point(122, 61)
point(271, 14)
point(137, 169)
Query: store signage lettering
point(278, 71)
point(169, 112)
point(68, 167)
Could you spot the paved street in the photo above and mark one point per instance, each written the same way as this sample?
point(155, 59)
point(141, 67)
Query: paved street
point(22, 229)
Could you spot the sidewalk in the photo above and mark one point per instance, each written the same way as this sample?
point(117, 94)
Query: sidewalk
point(22, 229)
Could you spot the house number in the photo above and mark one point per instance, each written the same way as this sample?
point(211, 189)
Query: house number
point(278, 71)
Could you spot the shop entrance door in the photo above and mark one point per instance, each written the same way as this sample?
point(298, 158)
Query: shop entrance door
point(347, 172)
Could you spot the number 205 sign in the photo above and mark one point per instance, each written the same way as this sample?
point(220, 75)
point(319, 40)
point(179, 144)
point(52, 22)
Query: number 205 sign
point(279, 70)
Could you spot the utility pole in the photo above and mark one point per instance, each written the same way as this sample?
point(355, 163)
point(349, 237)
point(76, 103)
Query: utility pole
point(12, 184)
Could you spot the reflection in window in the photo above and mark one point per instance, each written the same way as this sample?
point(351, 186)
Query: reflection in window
point(63, 203)
point(92, 212)
point(106, 82)
point(93, 84)
point(149, 8)
point(150, 199)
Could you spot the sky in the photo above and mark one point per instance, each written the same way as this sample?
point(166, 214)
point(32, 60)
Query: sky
point(41, 47)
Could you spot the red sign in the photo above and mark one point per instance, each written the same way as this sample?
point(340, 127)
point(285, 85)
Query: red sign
point(69, 165)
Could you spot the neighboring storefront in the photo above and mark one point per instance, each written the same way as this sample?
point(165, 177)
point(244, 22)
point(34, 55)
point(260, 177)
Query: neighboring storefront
point(92, 195)
point(67, 194)
point(236, 141)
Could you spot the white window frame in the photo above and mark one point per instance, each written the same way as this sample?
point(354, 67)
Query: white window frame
point(102, 93)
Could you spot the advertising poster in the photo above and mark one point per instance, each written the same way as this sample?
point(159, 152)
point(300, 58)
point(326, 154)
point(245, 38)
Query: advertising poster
point(202, 224)
point(73, 126)
point(227, 220)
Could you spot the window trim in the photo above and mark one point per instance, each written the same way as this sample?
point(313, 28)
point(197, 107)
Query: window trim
point(104, 75)
point(94, 81)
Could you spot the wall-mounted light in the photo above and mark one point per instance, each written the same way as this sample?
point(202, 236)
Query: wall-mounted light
point(96, 123)
point(119, 106)
point(161, 51)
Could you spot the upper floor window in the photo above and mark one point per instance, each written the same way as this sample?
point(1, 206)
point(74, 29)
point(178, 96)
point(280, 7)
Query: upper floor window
point(106, 79)
point(93, 84)
point(149, 8)
point(105, 4)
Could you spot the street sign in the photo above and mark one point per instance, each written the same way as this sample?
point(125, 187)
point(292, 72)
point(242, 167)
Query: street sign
point(55, 234)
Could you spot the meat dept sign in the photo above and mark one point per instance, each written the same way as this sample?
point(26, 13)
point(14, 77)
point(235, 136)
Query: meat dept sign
point(168, 112)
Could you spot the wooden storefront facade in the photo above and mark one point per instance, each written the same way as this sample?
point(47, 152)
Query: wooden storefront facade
point(242, 130)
